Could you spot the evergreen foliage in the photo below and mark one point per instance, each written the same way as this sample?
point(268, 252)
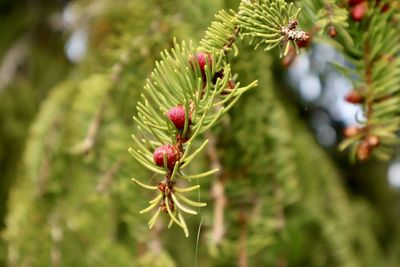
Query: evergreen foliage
point(375, 75)
point(177, 82)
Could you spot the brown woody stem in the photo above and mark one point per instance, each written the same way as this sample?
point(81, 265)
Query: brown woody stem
point(217, 190)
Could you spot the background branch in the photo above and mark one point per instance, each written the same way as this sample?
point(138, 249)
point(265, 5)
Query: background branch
point(217, 190)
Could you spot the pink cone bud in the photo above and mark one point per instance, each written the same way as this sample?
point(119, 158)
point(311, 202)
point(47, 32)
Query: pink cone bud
point(358, 11)
point(177, 116)
point(201, 57)
point(170, 151)
point(372, 140)
point(351, 131)
point(354, 97)
point(363, 151)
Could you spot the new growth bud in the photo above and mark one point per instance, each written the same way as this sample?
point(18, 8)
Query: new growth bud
point(372, 140)
point(358, 11)
point(332, 31)
point(366, 146)
point(354, 97)
point(177, 116)
point(303, 43)
point(351, 131)
point(363, 150)
point(169, 151)
point(201, 58)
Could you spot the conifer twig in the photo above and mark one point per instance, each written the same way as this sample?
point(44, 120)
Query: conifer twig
point(279, 211)
point(243, 254)
point(231, 40)
point(108, 177)
point(94, 126)
point(217, 190)
point(12, 59)
point(93, 129)
point(155, 244)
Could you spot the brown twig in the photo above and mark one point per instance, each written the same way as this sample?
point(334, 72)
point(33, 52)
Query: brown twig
point(217, 190)
point(56, 237)
point(243, 254)
point(106, 180)
point(231, 40)
point(93, 129)
point(368, 142)
point(279, 209)
point(43, 175)
point(11, 61)
point(44, 168)
point(94, 126)
point(167, 186)
point(154, 244)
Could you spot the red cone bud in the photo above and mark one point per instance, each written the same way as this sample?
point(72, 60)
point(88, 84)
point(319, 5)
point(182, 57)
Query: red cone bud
point(161, 187)
point(354, 97)
point(170, 151)
point(201, 57)
point(332, 31)
point(355, 2)
point(302, 43)
point(372, 140)
point(385, 8)
point(363, 150)
point(351, 131)
point(358, 11)
point(177, 116)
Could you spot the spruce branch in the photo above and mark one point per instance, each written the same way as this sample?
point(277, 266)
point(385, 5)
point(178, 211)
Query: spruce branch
point(104, 92)
point(186, 95)
point(89, 141)
point(326, 17)
point(377, 87)
point(189, 91)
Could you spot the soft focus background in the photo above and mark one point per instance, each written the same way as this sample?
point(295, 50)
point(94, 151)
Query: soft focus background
point(66, 198)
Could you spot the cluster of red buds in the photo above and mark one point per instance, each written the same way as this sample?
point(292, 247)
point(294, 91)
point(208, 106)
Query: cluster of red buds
point(168, 155)
point(368, 142)
point(201, 59)
point(358, 8)
point(171, 156)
